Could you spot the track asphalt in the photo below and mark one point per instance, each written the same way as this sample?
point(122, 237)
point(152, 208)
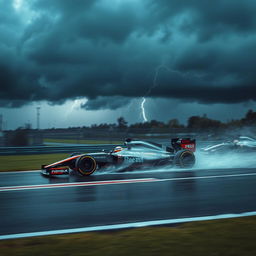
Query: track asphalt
point(33, 203)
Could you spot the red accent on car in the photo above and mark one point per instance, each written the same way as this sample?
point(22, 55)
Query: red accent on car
point(59, 168)
point(57, 172)
point(188, 144)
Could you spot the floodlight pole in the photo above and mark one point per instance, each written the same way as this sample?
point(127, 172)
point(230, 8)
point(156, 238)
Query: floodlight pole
point(38, 117)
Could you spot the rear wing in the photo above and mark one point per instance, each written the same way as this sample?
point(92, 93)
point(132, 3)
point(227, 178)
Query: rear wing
point(184, 143)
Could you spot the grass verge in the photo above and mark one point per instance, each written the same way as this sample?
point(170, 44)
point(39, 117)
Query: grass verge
point(71, 141)
point(28, 162)
point(220, 237)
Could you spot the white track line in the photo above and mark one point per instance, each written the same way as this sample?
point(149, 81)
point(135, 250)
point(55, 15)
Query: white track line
point(115, 182)
point(15, 172)
point(127, 225)
point(76, 184)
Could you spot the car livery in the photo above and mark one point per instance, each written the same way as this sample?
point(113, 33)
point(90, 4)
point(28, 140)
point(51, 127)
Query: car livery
point(133, 154)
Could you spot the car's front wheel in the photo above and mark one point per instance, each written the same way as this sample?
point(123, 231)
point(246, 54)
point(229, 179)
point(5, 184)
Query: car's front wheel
point(86, 165)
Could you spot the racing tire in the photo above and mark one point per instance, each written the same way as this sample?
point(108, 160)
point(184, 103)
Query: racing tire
point(184, 159)
point(86, 165)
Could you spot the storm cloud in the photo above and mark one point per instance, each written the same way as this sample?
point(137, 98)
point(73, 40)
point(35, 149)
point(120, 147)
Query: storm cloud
point(112, 51)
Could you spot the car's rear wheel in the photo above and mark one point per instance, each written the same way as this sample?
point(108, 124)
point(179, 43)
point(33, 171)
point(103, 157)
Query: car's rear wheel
point(184, 159)
point(86, 165)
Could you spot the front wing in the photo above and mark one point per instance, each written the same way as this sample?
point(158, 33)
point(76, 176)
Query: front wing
point(59, 168)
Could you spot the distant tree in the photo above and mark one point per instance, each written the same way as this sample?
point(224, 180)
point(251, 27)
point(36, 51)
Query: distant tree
point(193, 122)
point(121, 122)
point(250, 114)
point(103, 126)
point(156, 124)
point(250, 118)
point(234, 123)
point(174, 123)
point(203, 123)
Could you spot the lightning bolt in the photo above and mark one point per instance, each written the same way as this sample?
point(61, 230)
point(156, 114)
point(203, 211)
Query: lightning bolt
point(142, 105)
point(162, 66)
point(143, 109)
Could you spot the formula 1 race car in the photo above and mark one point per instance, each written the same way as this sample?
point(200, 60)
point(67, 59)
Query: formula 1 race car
point(134, 154)
point(240, 145)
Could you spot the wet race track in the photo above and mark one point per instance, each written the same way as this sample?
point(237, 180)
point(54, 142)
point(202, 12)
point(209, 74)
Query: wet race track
point(33, 203)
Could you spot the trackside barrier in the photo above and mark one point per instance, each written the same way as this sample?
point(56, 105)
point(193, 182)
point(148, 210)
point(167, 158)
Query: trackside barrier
point(54, 149)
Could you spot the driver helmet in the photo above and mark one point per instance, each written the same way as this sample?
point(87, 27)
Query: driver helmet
point(118, 149)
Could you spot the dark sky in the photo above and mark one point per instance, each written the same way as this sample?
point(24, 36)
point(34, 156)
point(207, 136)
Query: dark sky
point(111, 53)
